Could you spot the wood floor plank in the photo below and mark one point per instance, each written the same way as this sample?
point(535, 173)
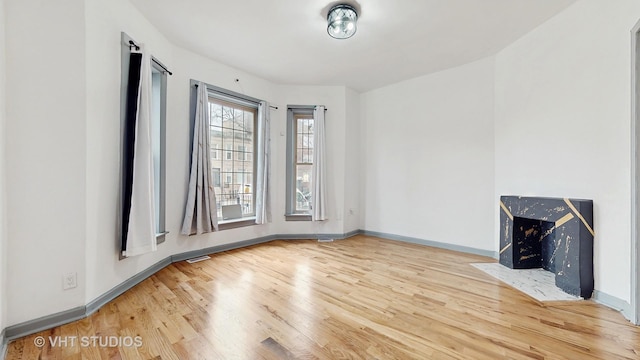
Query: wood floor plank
point(360, 298)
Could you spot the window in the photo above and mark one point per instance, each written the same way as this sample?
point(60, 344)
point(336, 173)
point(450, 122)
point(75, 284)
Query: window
point(228, 152)
point(214, 151)
point(232, 127)
point(158, 128)
point(158, 140)
point(299, 162)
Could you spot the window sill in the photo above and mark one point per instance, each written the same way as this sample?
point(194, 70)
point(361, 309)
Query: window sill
point(297, 217)
point(236, 223)
point(160, 237)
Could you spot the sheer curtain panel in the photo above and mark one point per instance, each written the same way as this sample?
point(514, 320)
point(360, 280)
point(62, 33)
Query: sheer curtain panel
point(201, 213)
point(138, 222)
point(263, 197)
point(319, 168)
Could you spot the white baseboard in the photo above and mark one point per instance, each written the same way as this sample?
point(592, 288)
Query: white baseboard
point(614, 303)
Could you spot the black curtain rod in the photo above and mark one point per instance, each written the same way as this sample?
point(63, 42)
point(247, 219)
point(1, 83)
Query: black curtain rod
point(271, 106)
point(133, 45)
point(161, 65)
point(307, 107)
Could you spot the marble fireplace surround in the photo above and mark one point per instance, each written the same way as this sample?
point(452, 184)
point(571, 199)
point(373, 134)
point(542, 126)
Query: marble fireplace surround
point(555, 234)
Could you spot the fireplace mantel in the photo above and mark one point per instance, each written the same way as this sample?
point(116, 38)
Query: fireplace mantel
point(553, 233)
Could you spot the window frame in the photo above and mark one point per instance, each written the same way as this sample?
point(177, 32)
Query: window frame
point(242, 100)
point(161, 229)
point(291, 214)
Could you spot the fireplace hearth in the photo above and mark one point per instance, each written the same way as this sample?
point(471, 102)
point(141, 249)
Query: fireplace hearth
point(551, 233)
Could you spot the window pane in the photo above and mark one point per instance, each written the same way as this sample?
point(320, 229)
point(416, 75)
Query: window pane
point(303, 187)
point(156, 142)
point(248, 123)
point(216, 179)
point(304, 140)
point(215, 111)
point(237, 118)
point(300, 155)
point(227, 117)
point(232, 136)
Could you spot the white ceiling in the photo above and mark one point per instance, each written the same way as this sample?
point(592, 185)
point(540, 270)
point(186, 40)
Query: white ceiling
point(286, 41)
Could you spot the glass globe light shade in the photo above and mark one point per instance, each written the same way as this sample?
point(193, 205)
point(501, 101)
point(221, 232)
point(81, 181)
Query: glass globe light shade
point(342, 21)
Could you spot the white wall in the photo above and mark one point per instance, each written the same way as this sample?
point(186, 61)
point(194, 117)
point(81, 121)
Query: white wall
point(428, 157)
point(3, 237)
point(45, 137)
point(352, 172)
point(563, 123)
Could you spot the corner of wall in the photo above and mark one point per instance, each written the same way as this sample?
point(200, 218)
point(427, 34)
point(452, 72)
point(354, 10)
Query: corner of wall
point(353, 206)
point(634, 313)
point(3, 253)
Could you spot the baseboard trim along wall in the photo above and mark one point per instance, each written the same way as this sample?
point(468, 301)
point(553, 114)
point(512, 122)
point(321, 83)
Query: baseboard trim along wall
point(101, 300)
point(614, 303)
point(5, 342)
point(441, 245)
point(80, 312)
point(64, 317)
point(220, 248)
point(45, 322)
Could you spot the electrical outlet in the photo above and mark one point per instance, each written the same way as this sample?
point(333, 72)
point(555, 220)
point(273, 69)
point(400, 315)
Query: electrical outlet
point(69, 281)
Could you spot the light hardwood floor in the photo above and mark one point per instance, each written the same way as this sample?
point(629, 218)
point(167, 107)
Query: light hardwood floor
point(360, 298)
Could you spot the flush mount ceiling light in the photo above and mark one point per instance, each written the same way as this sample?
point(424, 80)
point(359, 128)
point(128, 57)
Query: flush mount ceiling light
point(342, 21)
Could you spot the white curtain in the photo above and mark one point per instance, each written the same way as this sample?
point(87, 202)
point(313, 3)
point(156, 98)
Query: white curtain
point(201, 212)
point(141, 234)
point(319, 168)
point(263, 203)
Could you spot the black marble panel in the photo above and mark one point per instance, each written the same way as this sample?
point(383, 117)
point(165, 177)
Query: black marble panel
point(553, 233)
point(548, 246)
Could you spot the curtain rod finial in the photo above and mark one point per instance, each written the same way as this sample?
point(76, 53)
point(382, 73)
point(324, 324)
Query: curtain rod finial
point(133, 45)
